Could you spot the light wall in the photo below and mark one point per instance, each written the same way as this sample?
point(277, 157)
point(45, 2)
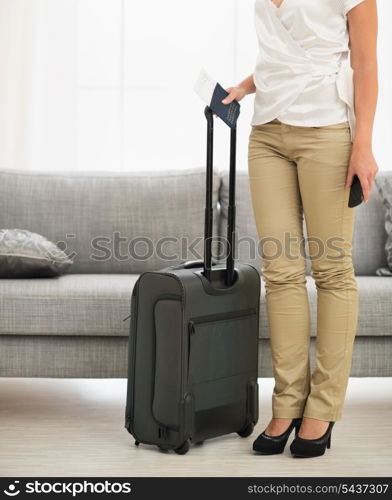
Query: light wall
point(108, 84)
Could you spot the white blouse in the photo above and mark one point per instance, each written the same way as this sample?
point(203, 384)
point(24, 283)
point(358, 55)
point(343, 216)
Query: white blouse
point(303, 75)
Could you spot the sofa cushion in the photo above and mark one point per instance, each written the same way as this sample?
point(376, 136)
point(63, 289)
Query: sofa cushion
point(369, 233)
point(96, 305)
point(72, 304)
point(97, 216)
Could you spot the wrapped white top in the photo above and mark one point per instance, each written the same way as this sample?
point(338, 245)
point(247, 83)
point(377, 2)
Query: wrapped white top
point(303, 76)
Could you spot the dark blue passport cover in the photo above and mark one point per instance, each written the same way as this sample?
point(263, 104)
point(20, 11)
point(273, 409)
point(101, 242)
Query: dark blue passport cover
point(229, 113)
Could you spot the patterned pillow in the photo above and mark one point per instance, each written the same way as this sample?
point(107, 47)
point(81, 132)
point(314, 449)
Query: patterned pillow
point(29, 255)
point(384, 186)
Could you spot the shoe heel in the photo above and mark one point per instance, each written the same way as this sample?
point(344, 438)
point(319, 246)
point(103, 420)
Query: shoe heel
point(329, 441)
point(297, 428)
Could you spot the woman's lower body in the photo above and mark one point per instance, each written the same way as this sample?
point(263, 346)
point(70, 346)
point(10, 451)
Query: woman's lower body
point(297, 172)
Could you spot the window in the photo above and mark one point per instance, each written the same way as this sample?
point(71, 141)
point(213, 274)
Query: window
point(137, 63)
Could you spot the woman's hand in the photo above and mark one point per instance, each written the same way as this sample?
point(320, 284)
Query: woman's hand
point(235, 94)
point(238, 92)
point(362, 164)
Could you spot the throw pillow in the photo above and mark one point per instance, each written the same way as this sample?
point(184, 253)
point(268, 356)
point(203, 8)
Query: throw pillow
point(24, 254)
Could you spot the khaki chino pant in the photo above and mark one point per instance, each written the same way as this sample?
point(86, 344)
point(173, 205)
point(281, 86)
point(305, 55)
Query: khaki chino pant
point(297, 172)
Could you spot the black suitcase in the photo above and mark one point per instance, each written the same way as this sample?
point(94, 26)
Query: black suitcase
point(193, 347)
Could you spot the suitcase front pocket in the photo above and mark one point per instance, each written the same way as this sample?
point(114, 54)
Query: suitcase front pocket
point(167, 367)
point(222, 345)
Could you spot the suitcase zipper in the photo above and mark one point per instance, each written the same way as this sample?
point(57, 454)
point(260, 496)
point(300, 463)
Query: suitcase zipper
point(130, 401)
point(210, 318)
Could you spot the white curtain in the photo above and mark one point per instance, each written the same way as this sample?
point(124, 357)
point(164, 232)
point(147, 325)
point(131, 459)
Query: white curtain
point(37, 84)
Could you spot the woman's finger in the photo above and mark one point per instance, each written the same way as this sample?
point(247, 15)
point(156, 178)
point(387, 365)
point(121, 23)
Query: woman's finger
point(230, 98)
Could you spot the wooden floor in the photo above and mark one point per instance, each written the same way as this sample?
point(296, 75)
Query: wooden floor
point(52, 427)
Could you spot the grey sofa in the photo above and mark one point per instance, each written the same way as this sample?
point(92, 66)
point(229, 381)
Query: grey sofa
point(119, 225)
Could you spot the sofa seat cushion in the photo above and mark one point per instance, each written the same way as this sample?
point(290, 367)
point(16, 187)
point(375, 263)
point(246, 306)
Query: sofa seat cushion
point(96, 304)
point(375, 307)
point(74, 304)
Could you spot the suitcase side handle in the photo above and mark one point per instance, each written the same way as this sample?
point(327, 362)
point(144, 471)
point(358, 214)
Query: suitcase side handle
point(208, 221)
point(190, 264)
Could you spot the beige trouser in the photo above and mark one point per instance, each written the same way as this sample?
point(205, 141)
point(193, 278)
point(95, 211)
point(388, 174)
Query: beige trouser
point(294, 171)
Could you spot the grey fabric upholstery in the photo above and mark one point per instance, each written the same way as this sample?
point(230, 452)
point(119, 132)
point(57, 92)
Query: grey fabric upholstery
point(78, 208)
point(95, 305)
point(106, 357)
point(72, 326)
point(73, 304)
point(369, 234)
point(59, 356)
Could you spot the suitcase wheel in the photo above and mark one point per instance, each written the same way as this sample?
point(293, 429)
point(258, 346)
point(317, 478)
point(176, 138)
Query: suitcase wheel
point(184, 448)
point(246, 431)
point(137, 443)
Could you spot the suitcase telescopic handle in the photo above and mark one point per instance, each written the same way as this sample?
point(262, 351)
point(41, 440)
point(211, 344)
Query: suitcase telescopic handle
point(209, 211)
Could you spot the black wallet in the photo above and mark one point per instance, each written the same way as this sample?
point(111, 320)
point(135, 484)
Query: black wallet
point(356, 194)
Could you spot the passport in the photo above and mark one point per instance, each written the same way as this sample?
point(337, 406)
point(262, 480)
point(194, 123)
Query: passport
point(212, 93)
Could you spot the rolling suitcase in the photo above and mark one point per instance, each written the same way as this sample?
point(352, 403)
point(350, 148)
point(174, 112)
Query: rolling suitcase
point(193, 347)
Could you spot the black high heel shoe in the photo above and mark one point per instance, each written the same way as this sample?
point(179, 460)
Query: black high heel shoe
point(306, 448)
point(272, 445)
